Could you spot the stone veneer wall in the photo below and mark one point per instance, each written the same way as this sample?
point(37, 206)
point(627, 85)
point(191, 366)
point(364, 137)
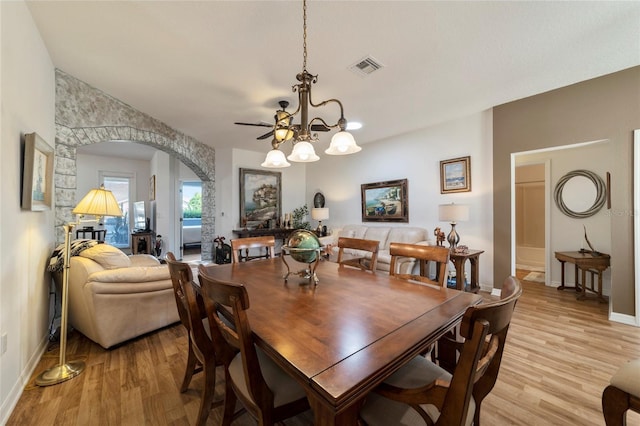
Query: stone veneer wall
point(85, 115)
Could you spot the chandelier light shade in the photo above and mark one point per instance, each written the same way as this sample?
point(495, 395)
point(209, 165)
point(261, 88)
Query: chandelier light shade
point(342, 143)
point(301, 134)
point(453, 213)
point(98, 202)
point(303, 152)
point(275, 160)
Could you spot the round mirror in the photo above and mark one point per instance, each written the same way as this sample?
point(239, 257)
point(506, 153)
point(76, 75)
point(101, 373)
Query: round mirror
point(580, 193)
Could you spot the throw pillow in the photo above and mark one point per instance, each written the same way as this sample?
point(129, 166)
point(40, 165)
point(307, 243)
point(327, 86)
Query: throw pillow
point(109, 257)
point(56, 262)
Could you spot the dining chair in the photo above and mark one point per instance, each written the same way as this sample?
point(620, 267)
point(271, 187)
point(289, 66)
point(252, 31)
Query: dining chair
point(423, 393)
point(424, 255)
point(267, 243)
point(622, 394)
point(206, 348)
point(362, 262)
point(267, 393)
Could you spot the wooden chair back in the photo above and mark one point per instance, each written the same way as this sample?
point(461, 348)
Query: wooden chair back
point(267, 243)
point(424, 255)
point(484, 328)
point(227, 296)
point(372, 246)
point(205, 341)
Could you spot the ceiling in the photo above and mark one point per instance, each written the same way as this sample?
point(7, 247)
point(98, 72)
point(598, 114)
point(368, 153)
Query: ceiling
point(199, 66)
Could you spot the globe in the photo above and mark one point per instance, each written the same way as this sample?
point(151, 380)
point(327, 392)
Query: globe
point(303, 246)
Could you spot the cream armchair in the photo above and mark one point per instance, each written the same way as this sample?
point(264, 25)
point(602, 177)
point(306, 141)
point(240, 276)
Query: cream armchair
point(114, 297)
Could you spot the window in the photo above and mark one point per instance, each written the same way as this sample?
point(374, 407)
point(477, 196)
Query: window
point(118, 228)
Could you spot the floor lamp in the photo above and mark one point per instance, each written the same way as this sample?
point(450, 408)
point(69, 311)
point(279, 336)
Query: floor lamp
point(98, 202)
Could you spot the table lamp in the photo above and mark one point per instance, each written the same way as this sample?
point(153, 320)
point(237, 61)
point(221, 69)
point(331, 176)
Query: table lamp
point(98, 202)
point(453, 213)
point(320, 214)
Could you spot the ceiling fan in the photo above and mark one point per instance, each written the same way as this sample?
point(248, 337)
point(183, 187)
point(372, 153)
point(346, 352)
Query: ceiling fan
point(282, 124)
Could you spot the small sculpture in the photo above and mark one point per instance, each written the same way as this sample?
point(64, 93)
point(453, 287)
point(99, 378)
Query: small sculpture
point(439, 236)
point(594, 252)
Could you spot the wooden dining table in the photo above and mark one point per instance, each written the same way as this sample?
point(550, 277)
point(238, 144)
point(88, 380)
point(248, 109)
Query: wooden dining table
point(345, 335)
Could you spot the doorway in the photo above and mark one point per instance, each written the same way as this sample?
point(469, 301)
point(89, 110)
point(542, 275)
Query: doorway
point(191, 232)
point(530, 222)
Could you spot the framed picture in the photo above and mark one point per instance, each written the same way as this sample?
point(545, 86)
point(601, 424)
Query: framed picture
point(260, 197)
point(152, 188)
point(385, 201)
point(455, 175)
point(37, 174)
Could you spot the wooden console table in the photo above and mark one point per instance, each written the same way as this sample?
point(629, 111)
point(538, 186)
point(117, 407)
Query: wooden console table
point(278, 233)
point(459, 259)
point(585, 262)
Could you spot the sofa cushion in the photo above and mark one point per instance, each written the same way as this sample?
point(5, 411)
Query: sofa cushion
point(107, 256)
point(139, 274)
point(406, 234)
point(378, 233)
point(353, 231)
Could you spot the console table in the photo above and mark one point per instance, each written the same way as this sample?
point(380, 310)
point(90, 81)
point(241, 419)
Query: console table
point(459, 259)
point(96, 234)
point(584, 261)
point(278, 233)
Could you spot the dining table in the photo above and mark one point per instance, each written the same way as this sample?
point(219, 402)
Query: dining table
point(345, 335)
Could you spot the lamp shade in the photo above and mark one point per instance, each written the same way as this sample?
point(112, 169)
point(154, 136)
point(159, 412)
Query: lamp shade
point(453, 212)
point(98, 202)
point(342, 143)
point(275, 160)
point(320, 213)
point(303, 152)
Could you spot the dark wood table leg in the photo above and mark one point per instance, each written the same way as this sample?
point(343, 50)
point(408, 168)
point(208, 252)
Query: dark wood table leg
point(562, 287)
point(583, 284)
point(474, 287)
point(459, 264)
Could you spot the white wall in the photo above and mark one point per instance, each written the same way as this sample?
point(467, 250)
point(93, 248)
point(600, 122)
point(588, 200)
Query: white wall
point(228, 164)
point(27, 92)
point(416, 157)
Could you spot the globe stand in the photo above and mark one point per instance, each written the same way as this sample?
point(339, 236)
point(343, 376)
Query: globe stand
point(308, 274)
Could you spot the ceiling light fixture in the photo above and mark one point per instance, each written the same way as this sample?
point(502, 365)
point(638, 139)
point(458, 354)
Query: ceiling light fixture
point(342, 143)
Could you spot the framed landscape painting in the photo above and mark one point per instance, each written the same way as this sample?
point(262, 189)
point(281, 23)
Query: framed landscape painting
point(37, 174)
point(260, 197)
point(455, 175)
point(385, 201)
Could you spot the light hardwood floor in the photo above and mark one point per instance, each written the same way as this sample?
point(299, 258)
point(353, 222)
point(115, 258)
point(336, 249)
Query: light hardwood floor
point(559, 357)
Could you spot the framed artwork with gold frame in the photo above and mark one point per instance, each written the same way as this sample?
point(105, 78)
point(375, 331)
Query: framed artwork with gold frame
point(455, 175)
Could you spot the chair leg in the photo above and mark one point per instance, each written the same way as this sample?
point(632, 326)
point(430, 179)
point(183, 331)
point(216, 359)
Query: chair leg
point(229, 402)
point(208, 392)
point(191, 367)
point(615, 404)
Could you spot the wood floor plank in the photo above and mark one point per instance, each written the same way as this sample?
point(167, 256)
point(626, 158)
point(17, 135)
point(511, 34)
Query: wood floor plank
point(559, 356)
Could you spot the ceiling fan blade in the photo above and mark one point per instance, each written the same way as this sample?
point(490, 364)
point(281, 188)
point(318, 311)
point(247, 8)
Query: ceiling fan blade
point(319, 128)
point(254, 124)
point(265, 136)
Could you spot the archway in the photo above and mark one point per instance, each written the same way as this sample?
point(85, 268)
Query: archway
point(85, 115)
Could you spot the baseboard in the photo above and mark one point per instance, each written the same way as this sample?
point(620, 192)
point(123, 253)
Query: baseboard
point(18, 387)
point(624, 319)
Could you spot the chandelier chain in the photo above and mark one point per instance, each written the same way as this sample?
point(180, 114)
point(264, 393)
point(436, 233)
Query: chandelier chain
point(304, 35)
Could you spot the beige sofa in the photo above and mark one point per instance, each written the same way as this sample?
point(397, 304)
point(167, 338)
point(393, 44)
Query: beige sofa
point(114, 297)
point(385, 235)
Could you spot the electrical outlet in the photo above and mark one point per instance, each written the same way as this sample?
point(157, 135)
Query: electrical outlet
point(3, 344)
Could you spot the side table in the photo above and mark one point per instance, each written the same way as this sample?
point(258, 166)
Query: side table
point(459, 259)
point(585, 262)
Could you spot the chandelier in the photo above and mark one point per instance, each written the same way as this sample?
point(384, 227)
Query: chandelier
point(301, 135)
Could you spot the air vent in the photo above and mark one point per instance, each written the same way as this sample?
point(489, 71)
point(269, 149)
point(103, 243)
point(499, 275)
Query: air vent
point(366, 66)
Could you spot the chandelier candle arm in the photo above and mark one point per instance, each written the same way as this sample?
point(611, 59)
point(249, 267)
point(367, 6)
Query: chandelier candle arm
point(342, 143)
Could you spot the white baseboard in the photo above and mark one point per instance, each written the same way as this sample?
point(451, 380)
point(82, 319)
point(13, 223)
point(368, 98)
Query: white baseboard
point(624, 319)
point(23, 379)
